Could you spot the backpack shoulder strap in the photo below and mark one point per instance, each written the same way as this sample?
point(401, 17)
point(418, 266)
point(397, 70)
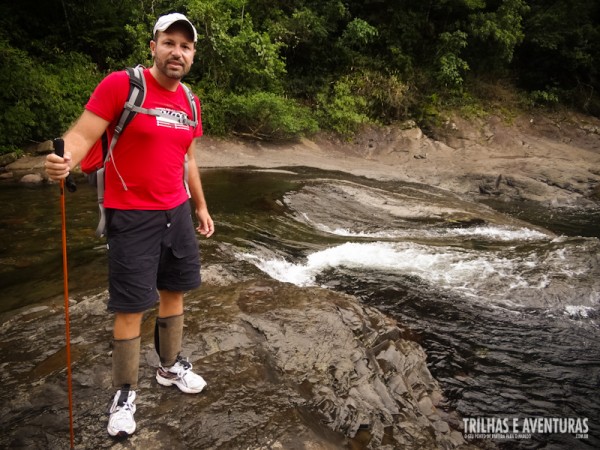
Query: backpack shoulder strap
point(190, 96)
point(135, 98)
point(193, 123)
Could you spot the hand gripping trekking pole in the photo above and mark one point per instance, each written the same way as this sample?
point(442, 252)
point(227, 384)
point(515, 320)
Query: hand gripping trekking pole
point(59, 149)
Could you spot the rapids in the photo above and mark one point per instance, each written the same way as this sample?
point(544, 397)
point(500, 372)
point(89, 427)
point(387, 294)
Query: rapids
point(505, 299)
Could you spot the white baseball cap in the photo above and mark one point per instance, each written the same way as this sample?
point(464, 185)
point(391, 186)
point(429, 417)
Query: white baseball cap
point(164, 22)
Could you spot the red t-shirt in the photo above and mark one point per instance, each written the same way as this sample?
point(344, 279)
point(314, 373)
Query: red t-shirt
point(150, 152)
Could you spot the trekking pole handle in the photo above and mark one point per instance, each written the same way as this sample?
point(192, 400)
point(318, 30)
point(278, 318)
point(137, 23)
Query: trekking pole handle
point(59, 149)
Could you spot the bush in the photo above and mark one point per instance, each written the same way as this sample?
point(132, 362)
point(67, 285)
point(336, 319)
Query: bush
point(549, 97)
point(340, 110)
point(40, 101)
point(67, 85)
point(258, 115)
point(213, 113)
point(384, 94)
point(19, 81)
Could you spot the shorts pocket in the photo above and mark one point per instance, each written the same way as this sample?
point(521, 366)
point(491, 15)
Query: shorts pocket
point(132, 283)
point(185, 248)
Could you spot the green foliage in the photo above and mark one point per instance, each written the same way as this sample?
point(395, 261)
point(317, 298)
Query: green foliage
point(429, 112)
point(94, 27)
point(475, 4)
point(545, 98)
point(213, 110)
point(358, 34)
point(384, 95)
point(235, 56)
point(561, 48)
point(40, 101)
point(340, 110)
point(261, 115)
point(501, 30)
point(67, 86)
point(16, 96)
point(140, 49)
point(305, 26)
point(451, 67)
point(311, 34)
point(273, 69)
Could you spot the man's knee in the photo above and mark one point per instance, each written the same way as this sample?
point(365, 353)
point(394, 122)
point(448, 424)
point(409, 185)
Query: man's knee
point(127, 325)
point(171, 303)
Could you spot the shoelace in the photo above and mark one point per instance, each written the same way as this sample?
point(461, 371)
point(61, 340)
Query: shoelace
point(123, 401)
point(184, 363)
point(126, 405)
point(123, 397)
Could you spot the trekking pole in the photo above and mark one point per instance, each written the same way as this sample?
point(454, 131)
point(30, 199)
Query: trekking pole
point(59, 149)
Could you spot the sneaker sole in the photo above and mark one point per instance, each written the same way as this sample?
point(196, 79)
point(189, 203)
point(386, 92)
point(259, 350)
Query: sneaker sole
point(120, 434)
point(166, 382)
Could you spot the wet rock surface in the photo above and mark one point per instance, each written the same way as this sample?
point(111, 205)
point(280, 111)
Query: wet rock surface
point(286, 368)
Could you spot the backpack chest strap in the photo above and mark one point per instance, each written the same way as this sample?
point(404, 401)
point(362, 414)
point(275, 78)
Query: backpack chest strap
point(181, 118)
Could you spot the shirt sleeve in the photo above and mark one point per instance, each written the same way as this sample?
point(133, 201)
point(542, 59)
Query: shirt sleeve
point(110, 95)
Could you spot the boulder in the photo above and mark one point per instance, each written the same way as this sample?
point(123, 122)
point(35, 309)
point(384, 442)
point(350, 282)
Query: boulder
point(8, 158)
point(32, 178)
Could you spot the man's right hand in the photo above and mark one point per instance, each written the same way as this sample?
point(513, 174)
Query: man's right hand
point(58, 168)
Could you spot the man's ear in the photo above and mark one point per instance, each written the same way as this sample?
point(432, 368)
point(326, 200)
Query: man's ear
point(152, 46)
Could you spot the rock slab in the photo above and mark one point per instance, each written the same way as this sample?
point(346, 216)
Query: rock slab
point(287, 367)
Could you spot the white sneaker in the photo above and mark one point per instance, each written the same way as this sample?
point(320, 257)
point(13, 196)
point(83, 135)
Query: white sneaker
point(181, 375)
point(120, 422)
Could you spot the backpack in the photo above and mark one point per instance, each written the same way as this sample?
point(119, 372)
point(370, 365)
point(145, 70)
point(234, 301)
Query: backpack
point(93, 163)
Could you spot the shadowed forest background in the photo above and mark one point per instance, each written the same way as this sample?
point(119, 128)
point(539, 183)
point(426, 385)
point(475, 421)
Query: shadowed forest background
point(281, 69)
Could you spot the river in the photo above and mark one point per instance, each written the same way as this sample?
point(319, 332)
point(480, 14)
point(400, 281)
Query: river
point(504, 298)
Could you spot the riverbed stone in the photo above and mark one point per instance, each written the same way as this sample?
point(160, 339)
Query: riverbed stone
point(8, 158)
point(45, 147)
point(32, 178)
point(28, 163)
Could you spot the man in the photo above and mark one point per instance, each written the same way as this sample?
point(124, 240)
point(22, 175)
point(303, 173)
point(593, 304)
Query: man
point(152, 247)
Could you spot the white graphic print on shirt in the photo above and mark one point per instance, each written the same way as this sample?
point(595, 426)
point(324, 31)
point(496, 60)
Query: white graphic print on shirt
point(172, 119)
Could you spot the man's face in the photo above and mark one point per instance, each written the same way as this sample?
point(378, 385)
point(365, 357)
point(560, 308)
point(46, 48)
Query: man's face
point(173, 52)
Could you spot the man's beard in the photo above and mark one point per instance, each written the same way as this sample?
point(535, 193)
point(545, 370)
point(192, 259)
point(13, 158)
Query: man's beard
point(176, 74)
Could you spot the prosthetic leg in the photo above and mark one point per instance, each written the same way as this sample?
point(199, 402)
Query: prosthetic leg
point(168, 334)
point(125, 368)
point(126, 362)
point(174, 370)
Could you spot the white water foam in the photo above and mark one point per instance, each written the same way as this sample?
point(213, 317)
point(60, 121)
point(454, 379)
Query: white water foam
point(441, 266)
point(487, 232)
point(494, 277)
point(576, 312)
